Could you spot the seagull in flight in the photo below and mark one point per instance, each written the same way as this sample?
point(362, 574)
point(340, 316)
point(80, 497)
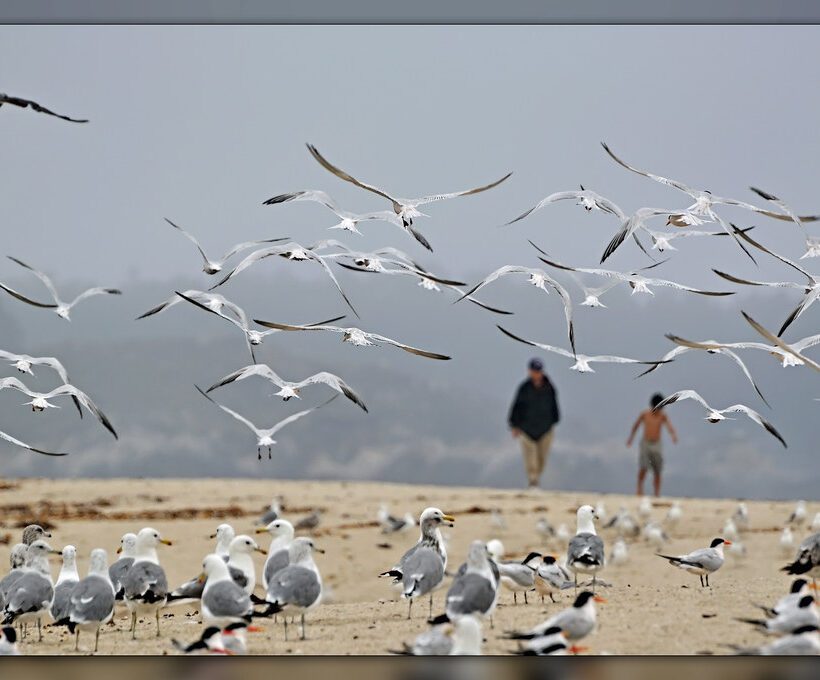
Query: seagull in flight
point(661, 239)
point(348, 221)
point(252, 337)
point(582, 361)
point(355, 336)
point(40, 400)
point(812, 247)
point(638, 283)
point(699, 212)
point(289, 389)
point(712, 347)
point(212, 267)
point(24, 362)
point(811, 288)
point(538, 278)
point(405, 208)
point(716, 415)
point(296, 252)
point(34, 106)
point(265, 436)
point(213, 301)
point(775, 340)
point(62, 309)
point(23, 445)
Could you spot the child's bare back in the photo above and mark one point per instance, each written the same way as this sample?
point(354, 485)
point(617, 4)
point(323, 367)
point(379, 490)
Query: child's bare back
point(653, 422)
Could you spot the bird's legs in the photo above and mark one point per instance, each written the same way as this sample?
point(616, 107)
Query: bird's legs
point(431, 605)
point(707, 581)
point(285, 620)
point(259, 452)
point(410, 607)
point(97, 640)
point(134, 625)
point(701, 580)
point(39, 630)
point(525, 597)
point(269, 456)
point(303, 625)
point(552, 599)
point(77, 640)
point(515, 597)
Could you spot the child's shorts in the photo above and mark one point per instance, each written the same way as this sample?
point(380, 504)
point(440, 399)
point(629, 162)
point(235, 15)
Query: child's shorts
point(651, 456)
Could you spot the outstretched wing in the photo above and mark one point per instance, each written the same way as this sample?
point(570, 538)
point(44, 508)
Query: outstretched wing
point(408, 348)
point(755, 416)
point(24, 103)
point(296, 416)
point(23, 445)
point(335, 382)
point(240, 418)
point(548, 348)
point(262, 370)
point(663, 180)
point(341, 174)
point(85, 400)
point(681, 396)
point(190, 237)
point(771, 337)
point(477, 190)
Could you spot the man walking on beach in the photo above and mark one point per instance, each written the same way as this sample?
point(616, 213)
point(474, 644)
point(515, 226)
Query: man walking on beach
point(532, 418)
point(653, 421)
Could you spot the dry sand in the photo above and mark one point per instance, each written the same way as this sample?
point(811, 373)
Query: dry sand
point(652, 607)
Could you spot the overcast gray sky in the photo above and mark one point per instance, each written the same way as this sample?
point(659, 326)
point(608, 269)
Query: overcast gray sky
point(201, 124)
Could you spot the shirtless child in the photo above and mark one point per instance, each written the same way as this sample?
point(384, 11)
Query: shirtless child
point(651, 451)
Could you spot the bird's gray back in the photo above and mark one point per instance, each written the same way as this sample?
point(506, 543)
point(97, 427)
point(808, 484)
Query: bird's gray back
point(30, 593)
point(422, 571)
point(92, 600)
point(275, 563)
point(61, 603)
point(469, 594)
point(143, 577)
point(226, 598)
point(294, 585)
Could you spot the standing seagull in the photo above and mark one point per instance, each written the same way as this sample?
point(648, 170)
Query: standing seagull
point(92, 600)
point(265, 436)
point(66, 580)
point(299, 585)
point(40, 400)
point(582, 361)
point(281, 532)
point(116, 572)
point(145, 583)
point(716, 415)
point(224, 534)
point(798, 515)
point(576, 622)
point(475, 589)
point(212, 267)
point(585, 553)
point(702, 562)
point(538, 278)
point(807, 561)
point(287, 388)
point(355, 336)
point(34, 106)
point(223, 601)
point(421, 569)
point(61, 309)
point(405, 208)
point(29, 598)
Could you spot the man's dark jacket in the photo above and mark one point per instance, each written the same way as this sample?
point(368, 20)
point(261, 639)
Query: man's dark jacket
point(535, 410)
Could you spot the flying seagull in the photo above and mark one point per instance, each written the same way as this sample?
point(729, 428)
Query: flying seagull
point(355, 336)
point(348, 221)
point(582, 361)
point(23, 445)
point(661, 239)
point(811, 288)
point(252, 337)
point(716, 415)
point(62, 309)
point(812, 247)
point(289, 389)
point(785, 357)
point(775, 340)
point(291, 251)
point(211, 267)
point(40, 400)
point(405, 208)
point(34, 106)
point(538, 278)
point(265, 436)
point(712, 347)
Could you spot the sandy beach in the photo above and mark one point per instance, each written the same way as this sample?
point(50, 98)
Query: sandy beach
point(652, 608)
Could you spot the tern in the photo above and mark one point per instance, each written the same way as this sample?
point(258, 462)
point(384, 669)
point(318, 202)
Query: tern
point(702, 562)
point(811, 288)
point(405, 208)
point(576, 622)
point(803, 641)
point(812, 247)
point(538, 278)
point(265, 436)
point(24, 362)
point(771, 337)
point(701, 210)
point(804, 614)
point(34, 106)
point(61, 309)
point(288, 389)
point(252, 337)
point(213, 301)
point(212, 267)
point(348, 221)
point(40, 400)
point(355, 336)
point(712, 347)
point(582, 361)
point(716, 415)
point(291, 251)
point(638, 282)
point(661, 240)
point(23, 445)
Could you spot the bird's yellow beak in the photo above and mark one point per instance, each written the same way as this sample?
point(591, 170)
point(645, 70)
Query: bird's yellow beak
point(261, 550)
point(260, 530)
point(212, 536)
point(119, 550)
point(448, 518)
point(165, 541)
point(202, 578)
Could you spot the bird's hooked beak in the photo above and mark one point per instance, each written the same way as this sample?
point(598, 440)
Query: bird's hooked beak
point(263, 551)
point(56, 552)
point(599, 599)
point(119, 550)
point(202, 578)
point(448, 518)
point(165, 541)
point(318, 550)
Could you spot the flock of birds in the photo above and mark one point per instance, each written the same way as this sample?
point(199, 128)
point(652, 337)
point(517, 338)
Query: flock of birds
point(223, 593)
point(290, 578)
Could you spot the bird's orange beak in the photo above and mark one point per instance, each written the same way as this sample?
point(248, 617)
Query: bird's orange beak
point(599, 599)
point(575, 649)
point(255, 629)
point(727, 542)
